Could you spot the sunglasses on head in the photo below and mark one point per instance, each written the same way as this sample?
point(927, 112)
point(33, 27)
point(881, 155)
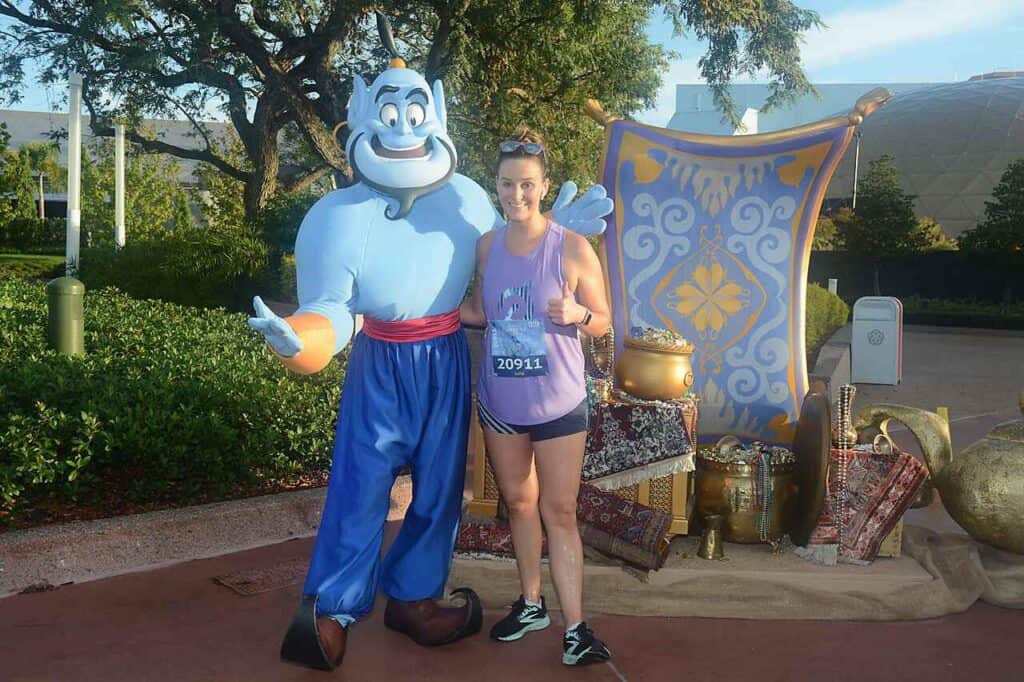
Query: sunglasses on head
point(532, 148)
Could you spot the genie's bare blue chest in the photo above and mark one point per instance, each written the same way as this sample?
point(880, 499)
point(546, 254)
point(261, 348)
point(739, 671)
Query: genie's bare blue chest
point(420, 264)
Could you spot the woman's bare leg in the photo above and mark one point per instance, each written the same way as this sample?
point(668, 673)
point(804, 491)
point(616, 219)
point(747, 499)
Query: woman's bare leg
point(511, 459)
point(559, 462)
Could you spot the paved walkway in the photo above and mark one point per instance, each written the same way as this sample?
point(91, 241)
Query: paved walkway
point(176, 624)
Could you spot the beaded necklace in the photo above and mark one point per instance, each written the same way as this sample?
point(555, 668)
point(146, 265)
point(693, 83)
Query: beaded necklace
point(843, 425)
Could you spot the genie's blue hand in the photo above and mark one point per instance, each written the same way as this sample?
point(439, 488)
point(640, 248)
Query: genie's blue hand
point(585, 216)
point(278, 333)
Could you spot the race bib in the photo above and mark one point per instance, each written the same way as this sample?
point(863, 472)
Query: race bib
point(518, 348)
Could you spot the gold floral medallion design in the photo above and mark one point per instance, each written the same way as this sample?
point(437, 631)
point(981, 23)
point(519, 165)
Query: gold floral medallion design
point(709, 299)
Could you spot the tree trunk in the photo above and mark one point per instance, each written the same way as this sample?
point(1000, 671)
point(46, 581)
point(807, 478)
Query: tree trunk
point(266, 164)
point(877, 284)
point(42, 201)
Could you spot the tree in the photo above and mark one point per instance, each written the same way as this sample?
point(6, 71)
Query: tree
point(828, 233)
point(1001, 235)
point(17, 191)
point(43, 160)
point(279, 65)
point(1002, 231)
point(933, 236)
point(154, 198)
point(884, 223)
point(6, 205)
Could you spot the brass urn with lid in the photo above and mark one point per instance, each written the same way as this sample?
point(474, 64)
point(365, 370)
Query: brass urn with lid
point(654, 371)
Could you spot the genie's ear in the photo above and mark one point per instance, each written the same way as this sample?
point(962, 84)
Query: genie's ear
point(439, 105)
point(357, 103)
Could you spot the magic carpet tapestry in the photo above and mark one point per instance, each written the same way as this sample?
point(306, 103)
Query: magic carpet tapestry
point(711, 238)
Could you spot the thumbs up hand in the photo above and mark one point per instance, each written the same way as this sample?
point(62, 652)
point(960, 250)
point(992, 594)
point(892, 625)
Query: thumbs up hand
point(565, 310)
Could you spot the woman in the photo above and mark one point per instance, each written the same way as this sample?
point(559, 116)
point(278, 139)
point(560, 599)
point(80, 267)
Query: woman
point(536, 286)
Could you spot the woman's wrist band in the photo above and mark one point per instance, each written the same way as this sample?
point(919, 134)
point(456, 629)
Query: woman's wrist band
point(586, 318)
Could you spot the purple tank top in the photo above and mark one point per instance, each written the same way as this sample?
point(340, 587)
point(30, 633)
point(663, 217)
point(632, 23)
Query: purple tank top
point(532, 368)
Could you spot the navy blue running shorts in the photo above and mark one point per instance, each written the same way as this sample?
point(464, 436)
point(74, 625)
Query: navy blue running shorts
point(575, 421)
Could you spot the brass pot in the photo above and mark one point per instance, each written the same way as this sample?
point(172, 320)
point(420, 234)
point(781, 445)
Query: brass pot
point(982, 488)
point(654, 371)
point(729, 489)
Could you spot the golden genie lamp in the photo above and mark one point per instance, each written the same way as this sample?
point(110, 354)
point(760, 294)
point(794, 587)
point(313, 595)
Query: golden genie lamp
point(982, 488)
point(655, 368)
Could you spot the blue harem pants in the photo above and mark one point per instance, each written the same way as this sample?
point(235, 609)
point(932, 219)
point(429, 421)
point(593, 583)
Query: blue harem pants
point(402, 404)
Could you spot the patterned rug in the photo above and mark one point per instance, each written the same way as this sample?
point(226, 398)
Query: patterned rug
point(632, 441)
point(616, 527)
point(881, 488)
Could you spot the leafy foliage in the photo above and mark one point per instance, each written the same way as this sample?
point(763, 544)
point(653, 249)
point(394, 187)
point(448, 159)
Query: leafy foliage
point(279, 222)
point(154, 198)
point(1002, 231)
point(932, 236)
point(27, 233)
point(169, 404)
point(223, 196)
point(289, 64)
point(884, 223)
point(828, 234)
point(16, 189)
point(826, 313)
point(194, 266)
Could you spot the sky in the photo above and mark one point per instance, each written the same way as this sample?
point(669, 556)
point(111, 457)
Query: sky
point(870, 41)
point(878, 41)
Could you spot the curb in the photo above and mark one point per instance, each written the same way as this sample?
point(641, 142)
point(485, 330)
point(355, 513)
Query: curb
point(49, 556)
point(42, 558)
point(832, 368)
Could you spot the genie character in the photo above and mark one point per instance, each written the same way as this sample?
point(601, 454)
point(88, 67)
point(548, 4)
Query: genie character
point(398, 247)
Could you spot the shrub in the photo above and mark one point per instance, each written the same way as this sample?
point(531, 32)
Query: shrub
point(25, 233)
point(288, 285)
point(199, 267)
point(933, 236)
point(170, 404)
point(280, 220)
point(826, 313)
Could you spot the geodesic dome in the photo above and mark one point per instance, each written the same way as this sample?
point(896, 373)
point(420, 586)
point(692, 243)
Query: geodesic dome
point(951, 142)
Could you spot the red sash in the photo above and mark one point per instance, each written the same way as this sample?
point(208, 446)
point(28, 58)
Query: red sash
point(406, 331)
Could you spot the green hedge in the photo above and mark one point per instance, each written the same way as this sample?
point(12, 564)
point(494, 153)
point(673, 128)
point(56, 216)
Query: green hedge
point(197, 267)
point(25, 233)
point(963, 313)
point(826, 313)
point(169, 404)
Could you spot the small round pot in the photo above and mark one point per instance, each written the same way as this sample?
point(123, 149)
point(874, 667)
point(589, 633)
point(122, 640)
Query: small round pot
point(654, 371)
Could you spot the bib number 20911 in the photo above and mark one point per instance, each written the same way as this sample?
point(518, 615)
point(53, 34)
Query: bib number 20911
point(518, 348)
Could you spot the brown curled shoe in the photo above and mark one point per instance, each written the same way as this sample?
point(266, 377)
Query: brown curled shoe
point(430, 624)
point(332, 640)
point(313, 641)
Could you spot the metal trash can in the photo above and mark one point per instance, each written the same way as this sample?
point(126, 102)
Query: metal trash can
point(877, 341)
point(66, 325)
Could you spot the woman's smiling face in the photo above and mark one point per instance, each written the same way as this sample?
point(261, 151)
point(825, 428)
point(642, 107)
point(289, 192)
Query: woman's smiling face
point(521, 187)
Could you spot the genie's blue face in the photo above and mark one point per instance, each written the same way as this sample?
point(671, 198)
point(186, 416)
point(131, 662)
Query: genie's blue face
point(398, 141)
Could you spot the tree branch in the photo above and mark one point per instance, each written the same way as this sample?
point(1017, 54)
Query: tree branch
point(302, 181)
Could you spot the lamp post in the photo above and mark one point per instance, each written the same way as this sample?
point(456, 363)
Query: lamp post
point(856, 167)
point(74, 219)
point(119, 185)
